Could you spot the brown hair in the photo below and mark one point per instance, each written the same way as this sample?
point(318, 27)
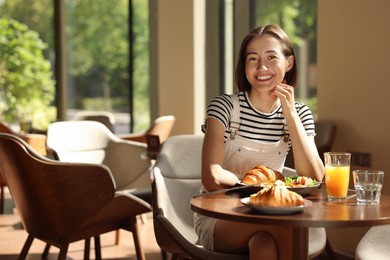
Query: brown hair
point(278, 33)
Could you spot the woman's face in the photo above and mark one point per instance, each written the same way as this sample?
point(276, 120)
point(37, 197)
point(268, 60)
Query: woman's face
point(265, 63)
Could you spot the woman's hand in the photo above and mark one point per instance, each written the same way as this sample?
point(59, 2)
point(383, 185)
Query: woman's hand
point(285, 93)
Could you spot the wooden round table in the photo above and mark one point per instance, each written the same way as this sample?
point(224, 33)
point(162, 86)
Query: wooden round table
point(321, 213)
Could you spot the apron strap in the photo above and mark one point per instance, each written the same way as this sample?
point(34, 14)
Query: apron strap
point(235, 119)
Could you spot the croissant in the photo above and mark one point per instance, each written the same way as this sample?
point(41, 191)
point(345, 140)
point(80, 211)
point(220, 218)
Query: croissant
point(261, 174)
point(276, 195)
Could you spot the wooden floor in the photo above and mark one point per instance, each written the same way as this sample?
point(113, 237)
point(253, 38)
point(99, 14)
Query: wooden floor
point(12, 238)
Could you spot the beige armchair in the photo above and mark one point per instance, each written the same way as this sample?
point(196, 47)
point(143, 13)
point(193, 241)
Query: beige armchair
point(374, 244)
point(176, 178)
point(92, 142)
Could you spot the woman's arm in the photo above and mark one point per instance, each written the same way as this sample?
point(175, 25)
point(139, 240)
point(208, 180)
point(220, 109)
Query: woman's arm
point(306, 159)
point(214, 177)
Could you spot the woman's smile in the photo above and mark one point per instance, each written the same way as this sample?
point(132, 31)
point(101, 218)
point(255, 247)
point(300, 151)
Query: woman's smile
point(264, 77)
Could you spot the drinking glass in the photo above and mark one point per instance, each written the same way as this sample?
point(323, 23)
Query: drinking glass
point(337, 168)
point(368, 186)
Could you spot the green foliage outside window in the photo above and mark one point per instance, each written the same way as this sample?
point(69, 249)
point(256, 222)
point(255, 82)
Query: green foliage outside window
point(97, 52)
point(299, 19)
point(26, 86)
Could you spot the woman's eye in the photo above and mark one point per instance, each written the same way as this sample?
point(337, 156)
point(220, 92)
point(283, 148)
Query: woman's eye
point(272, 57)
point(252, 58)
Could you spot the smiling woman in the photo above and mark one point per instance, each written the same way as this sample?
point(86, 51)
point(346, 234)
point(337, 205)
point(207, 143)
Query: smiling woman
point(246, 129)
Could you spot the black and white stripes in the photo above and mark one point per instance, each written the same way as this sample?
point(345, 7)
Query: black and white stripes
point(256, 125)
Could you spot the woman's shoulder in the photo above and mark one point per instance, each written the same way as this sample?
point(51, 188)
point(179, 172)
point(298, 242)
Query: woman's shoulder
point(299, 104)
point(224, 100)
point(229, 98)
point(301, 107)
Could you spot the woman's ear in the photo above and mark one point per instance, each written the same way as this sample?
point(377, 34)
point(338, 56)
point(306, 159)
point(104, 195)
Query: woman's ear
point(290, 63)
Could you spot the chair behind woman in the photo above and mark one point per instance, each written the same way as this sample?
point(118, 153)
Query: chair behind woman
point(176, 178)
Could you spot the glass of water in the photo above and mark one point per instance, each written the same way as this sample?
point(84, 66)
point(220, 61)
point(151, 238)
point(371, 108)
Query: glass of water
point(368, 186)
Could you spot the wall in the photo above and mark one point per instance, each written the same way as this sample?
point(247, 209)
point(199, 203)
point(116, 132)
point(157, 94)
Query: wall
point(172, 70)
point(185, 67)
point(353, 85)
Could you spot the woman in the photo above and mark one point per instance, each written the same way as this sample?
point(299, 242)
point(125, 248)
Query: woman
point(258, 125)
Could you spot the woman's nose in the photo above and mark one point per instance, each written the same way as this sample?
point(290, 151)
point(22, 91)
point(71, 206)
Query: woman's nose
point(262, 65)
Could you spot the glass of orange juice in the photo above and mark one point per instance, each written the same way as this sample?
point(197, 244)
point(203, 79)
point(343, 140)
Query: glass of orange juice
point(337, 170)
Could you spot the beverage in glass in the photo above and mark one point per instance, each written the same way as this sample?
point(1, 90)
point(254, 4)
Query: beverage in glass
point(368, 186)
point(337, 170)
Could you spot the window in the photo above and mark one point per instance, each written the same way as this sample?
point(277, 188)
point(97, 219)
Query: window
point(107, 53)
point(99, 44)
point(299, 19)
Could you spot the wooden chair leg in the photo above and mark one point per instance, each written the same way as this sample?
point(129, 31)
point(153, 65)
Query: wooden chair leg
point(25, 248)
point(329, 250)
point(63, 252)
point(137, 242)
point(164, 255)
point(117, 237)
point(2, 199)
point(46, 251)
point(87, 246)
point(144, 219)
point(98, 253)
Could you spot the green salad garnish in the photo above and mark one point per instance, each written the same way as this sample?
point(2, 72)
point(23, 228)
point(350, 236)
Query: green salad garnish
point(299, 181)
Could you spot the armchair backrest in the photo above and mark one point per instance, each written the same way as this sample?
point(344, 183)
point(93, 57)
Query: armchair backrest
point(177, 177)
point(92, 142)
point(326, 133)
point(52, 198)
point(104, 117)
point(162, 127)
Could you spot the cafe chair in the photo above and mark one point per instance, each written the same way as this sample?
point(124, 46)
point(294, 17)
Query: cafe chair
point(175, 179)
point(161, 127)
point(93, 142)
point(324, 139)
point(326, 133)
point(374, 244)
point(36, 141)
point(104, 117)
point(61, 203)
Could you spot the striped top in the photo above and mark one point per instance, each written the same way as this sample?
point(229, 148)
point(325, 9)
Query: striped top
point(256, 125)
